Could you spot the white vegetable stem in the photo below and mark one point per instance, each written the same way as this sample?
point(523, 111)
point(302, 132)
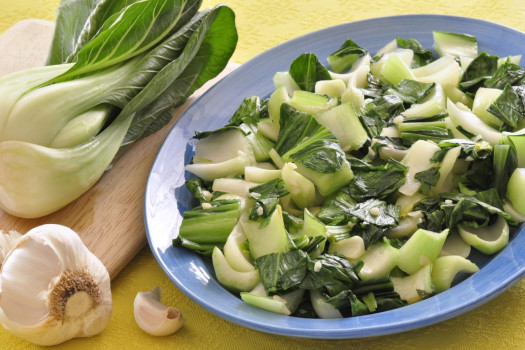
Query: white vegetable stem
point(36, 180)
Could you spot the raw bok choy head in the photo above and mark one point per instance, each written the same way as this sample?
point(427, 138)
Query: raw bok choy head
point(61, 126)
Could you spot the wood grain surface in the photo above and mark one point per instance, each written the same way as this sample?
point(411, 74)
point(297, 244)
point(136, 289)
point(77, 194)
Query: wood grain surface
point(109, 217)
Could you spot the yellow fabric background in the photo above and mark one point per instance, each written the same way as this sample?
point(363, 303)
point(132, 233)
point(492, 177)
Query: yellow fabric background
point(498, 324)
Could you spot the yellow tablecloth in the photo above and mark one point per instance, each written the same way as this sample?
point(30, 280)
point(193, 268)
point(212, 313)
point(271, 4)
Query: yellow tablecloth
point(262, 24)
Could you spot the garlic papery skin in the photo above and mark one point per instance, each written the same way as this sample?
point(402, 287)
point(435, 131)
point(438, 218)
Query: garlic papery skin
point(154, 317)
point(52, 288)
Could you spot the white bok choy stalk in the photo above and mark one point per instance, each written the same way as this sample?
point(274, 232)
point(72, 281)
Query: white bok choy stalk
point(37, 180)
point(14, 85)
point(62, 128)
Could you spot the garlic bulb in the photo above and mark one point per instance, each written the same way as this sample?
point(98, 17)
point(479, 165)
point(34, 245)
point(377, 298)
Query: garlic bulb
point(154, 317)
point(52, 288)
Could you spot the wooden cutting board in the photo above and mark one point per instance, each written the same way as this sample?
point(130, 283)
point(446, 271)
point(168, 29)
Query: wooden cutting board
point(109, 217)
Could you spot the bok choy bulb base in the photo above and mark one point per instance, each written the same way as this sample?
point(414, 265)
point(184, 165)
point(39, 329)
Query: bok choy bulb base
point(37, 180)
point(14, 85)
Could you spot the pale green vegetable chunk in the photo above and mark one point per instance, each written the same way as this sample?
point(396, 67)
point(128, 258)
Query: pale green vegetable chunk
point(472, 123)
point(445, 71)
point(310, 102)
point(332, 88)
point(268, 239)
point(233, 280)
point(446, 268)
point(415, 287)
point(421, 249)
point(237, 258)
point(488, 240)
point(321, 307)
point(379, 259)
point(417, 159)
point(277, 98)
point(482, 100)
point(301, 189)
point(455, 44)
point(351, 248)
point(395, 70)
point(455, 245)
point(446, 176)
point(344, 123)
point(266, 303)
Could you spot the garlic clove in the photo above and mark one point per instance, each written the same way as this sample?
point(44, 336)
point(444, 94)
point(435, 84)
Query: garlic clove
point(154, 317)
point(52, 288)
point(7, 242)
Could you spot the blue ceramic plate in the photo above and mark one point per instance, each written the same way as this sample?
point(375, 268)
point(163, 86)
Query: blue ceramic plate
point(166, 197)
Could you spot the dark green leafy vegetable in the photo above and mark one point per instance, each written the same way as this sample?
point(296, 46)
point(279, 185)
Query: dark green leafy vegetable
point(434, 217)
point(323, 155)
point(306, 70)
point(122, 37)
point(480, 149)
point(344, 56)
point(296, 126)
point(380, 113)
point(508, 107)
point(196, 189)
point(79, 21)
point(207, 55)
point(387, 141)
point(410, 91)
point(266, 196)
point(373, 218)
point(461, 209)
point(374, 89)
point(479, 70)
point(282, 272)
point(422, 56)
point(375, 181)
point(475, 210)
point(307, 142)
point(336, 211)
point(387, 216)
point(249, 112)
point(428, 178)
point(335, 275)
point(480, 173)
point(70, 22)
point(436, 131)
point(505, 162)
point(507, 73)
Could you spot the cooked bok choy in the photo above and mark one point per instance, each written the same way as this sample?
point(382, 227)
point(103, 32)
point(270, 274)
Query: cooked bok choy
point(116, 70)
point(363, 195)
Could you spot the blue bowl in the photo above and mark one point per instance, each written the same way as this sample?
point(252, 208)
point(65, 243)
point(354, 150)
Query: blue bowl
point(166, 197)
